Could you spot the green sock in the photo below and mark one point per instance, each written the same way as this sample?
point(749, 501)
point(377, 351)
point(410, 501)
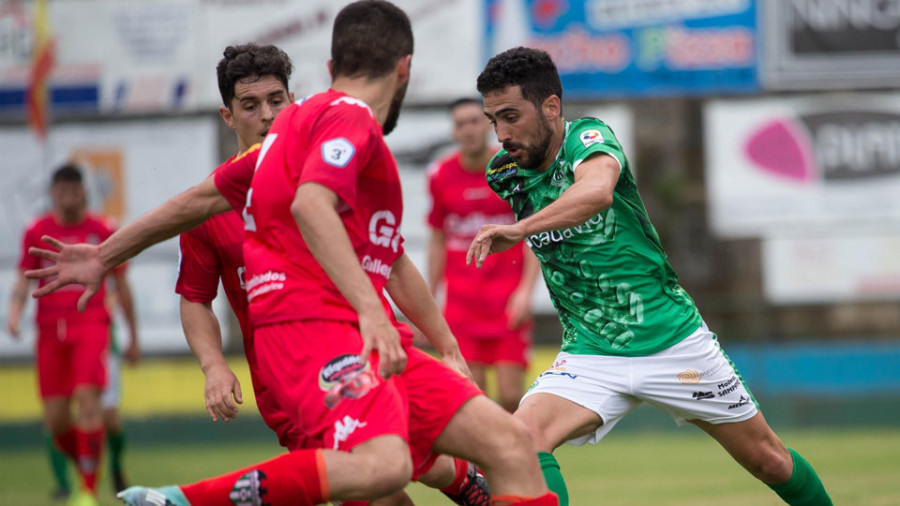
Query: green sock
point(804, 487)
point(555, 482)
point(58, 463)
point(116, 443)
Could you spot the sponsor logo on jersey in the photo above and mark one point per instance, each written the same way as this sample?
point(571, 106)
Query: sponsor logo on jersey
point(558, 179)
point(703, 395)
point(346, 377)
point(597, 224)
point(743, 401)
point(338, 152)
point(267, 282)
point(507, 169)
point(376, 266)
point(383, 230)
point(689, 376)
point(248, 490)
point(589, 137)
point(344, 428)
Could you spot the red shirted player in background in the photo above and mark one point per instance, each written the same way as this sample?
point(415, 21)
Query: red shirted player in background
point(253, 82)
point(71, 345)
point(361, 250)
point(488, 310)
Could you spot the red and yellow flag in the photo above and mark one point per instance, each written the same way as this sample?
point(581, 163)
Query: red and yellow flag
point(42, 60)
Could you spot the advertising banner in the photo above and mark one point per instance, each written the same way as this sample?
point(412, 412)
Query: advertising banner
point(787, 165)
point(634, 47)
point(821, 44)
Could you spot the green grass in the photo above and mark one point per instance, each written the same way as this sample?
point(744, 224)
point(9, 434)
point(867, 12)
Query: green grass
point(684, 467)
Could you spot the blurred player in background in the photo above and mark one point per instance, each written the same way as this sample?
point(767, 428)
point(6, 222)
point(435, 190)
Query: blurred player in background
point(488, 310)
point(72, 346)
point(253, 81)
point(631, 334)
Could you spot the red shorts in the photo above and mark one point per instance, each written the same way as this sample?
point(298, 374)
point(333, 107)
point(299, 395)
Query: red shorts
point(512, 348)
point(313, 370)
point(71, 356)
point(435, 394)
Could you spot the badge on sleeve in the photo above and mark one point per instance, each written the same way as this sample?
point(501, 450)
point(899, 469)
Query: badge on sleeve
point(338, 152)
point(589, 137)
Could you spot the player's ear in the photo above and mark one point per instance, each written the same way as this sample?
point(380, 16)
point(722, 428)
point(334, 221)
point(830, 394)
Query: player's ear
point(403, 68)
point(552, 108)
point(227, 116)
point(331, 69)
point(291, 97)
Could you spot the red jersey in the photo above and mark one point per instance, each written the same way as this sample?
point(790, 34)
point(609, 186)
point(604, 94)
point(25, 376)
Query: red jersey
point(334, 140)
point(209, 251)
point(62, 304)
point(461, 203)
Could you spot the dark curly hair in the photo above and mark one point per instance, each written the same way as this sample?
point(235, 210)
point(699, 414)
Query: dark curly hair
point(369, 38)
point(530, 69)
point(67, 173)
point(248, 60)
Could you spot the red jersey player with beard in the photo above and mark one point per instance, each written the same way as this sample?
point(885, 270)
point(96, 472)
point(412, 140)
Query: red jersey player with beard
point(488, 310)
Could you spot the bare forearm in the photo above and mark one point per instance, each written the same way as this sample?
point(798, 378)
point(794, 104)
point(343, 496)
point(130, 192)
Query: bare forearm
point(201, 329)
point(19, 294)
point(577, 204)
point(178, 214)
point(126, 301)
point(408, 290)
point(437, 260)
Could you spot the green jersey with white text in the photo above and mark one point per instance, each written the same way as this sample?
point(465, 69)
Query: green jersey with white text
point(609, 278)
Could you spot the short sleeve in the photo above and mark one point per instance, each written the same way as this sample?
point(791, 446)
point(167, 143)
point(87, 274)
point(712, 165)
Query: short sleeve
point(437, 211)
point(339, 150)
point(592, 136)
point(198, 266)
point(233, 177)
point(30, 238)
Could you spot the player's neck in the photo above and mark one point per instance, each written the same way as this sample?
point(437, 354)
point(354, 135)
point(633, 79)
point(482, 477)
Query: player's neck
point(556, 142)
point(476, 162)
point(70, 219)
point(376, 93)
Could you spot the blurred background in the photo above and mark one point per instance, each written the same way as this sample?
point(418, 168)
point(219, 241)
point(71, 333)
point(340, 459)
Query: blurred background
point(765, 137)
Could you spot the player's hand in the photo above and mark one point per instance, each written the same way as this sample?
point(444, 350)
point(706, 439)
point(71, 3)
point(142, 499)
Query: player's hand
point(12, 326)
point(518, 308)
point(379, 334)
point(73, 263)
point(133, 353)
point(455, 361)
point(221, 386)
point(493, 239)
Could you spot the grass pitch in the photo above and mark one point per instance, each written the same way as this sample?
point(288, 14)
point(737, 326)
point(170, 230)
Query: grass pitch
point(681, 467)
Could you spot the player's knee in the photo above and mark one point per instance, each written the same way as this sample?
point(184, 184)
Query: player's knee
point(512, 444)
point(772, 465)
point(379, 479)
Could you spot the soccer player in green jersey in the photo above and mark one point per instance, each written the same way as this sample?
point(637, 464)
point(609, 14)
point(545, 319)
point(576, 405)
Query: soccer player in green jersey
point(631, 334)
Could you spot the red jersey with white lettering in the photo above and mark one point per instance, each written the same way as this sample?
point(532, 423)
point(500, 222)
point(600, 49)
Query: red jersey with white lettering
point(61, 304)
point(333, 140)
point(461, 203)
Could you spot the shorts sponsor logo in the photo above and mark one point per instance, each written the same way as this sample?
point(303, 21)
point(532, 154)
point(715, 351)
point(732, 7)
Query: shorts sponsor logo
point(726, 387)
point(743, 401)
point(344, 428)
point(266, 282)
point(703, 395)
point(558, 369)
point(383, 230)
point(689, 376)
point(346, 377)
point(376, 266)
point(249, 490)
point(589, 137)
point(338, 152)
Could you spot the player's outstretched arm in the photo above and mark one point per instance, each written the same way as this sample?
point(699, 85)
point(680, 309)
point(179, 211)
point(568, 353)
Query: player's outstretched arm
point(408, 290)
point(87, 265)
point(201, 329)
point(320, 225)
point(17, 300)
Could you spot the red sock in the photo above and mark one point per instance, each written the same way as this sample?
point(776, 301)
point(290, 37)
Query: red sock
point(89, 450)
point(67, 442)
point(462, 470)
point(548, 499)
point(293, 478)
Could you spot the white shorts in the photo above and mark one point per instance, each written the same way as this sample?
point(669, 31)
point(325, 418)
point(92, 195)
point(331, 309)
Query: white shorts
point(692, 380)
point(112, 393)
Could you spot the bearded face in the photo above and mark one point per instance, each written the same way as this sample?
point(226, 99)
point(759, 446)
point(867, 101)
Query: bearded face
point(394, 112)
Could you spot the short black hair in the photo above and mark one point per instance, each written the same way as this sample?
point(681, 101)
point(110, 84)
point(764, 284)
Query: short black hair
point(531, 69)
point(369, 38)
point(248, 60)
point(464, 101)
point(68, 173)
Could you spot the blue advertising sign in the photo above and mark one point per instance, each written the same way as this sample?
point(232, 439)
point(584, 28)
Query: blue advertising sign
point(608, 48)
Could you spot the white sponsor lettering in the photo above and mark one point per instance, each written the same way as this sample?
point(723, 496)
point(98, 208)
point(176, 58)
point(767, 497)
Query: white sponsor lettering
point(383, 230)
point(376, 266)
point(343, 429)
point(264, 283)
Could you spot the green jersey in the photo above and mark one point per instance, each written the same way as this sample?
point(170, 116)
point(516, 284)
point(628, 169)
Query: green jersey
point(609, 279)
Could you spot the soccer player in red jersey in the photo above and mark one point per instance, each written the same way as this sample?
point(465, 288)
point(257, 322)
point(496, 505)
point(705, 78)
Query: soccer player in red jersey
point(71, 346)
point(488, 310)
point(308, 347)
